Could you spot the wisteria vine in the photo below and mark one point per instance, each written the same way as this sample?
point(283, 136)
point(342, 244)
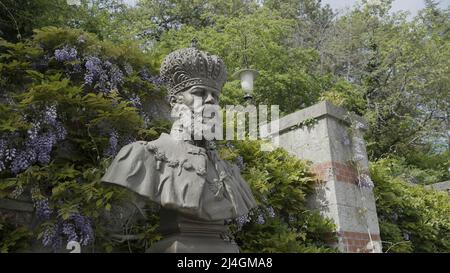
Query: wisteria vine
point(40, 139)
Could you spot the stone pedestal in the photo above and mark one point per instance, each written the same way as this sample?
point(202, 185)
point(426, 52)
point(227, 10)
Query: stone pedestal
point(186, 235)
point(332, 140)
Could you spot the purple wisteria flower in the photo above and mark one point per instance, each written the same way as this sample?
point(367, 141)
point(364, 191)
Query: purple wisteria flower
point(7, 153)
point(156, 80)
point(43, 210)
point(104, 76)
point(51, 236)
point(3, 144)
point(128, 69)
point(69, 56)
point(365, 181)
point(240, 162)
point(145, 75)
point(84, 227)
point(66, 54)
point(3, 153)
point(271, 212)
point(136, 101)
point(41, 138)
point(115, 75)
point(23, 160)
point(76, 228)
point(241, 221)
point(93, 69)
point(260, 220)
point(112, 148)
point(68, 229)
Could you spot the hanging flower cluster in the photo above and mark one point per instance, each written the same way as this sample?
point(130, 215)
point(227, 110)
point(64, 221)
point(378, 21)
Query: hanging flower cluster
point(261, 216)
point(104, 76)
point(56, 120)
point(112, 149)
point(66, 54)
point(43, 135)
point(76, 228)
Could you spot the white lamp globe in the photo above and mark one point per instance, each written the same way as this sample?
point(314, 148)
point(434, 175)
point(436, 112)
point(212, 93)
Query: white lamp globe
point(247, 77)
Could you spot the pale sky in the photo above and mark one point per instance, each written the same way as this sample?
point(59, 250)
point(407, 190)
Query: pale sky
point(413, 6)
point(131, 2)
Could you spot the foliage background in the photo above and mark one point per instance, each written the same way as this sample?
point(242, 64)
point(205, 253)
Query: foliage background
point(79, 83)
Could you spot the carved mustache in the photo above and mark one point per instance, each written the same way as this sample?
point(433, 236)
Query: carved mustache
point(206, 112)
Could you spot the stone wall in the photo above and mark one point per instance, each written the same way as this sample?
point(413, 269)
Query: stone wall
point(441, 186)
point(21, 214)
point(332, 140)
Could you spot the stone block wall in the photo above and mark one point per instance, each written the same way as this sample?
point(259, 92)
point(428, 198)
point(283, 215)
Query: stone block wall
point(332, 140)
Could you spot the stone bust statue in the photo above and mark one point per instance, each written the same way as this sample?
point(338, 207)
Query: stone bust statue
point(181, 173)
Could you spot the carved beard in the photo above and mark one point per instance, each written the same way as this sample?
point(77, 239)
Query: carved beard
point(191, 123)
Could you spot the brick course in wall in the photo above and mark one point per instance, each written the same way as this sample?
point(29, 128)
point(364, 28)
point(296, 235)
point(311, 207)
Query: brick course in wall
point(354, 242)
point(341, 172)
point(358, 242)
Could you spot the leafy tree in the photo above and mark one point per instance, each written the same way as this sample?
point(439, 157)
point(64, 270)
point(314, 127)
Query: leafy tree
point(259, 40)
point(19, 18)
point(106, 18)
point(396, 72)
point(312, 21)
point(173, 14)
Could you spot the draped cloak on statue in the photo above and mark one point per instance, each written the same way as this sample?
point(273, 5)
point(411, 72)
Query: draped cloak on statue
point(181, 176)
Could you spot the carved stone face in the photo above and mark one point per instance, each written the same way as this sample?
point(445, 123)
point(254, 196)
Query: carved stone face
point(199, 104)
point(198, 96)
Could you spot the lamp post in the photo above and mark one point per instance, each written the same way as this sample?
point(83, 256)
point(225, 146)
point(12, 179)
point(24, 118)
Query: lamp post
point(247, 77)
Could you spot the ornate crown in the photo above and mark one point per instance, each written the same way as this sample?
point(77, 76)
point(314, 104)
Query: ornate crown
point(187, 67)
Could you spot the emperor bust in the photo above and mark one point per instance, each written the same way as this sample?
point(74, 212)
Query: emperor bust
point(182, 171)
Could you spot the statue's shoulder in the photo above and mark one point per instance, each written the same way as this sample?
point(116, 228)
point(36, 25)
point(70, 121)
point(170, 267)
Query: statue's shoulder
point(165, 141)
point(164, 145)
point(144, 150)
point(137, 160)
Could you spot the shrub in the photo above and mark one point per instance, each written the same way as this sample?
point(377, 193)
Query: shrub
point(69, 102)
